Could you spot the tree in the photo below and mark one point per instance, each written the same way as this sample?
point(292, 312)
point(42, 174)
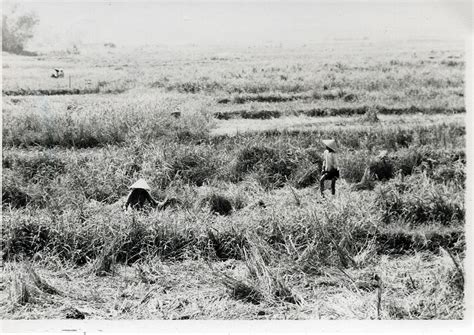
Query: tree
point(17, 30)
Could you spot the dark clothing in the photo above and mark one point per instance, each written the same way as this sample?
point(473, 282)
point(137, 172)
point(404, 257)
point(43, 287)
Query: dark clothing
point(334, 173)
point(138, 197)
point(329, 175)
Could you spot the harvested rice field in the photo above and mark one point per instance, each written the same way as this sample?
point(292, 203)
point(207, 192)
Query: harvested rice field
point(230, 142)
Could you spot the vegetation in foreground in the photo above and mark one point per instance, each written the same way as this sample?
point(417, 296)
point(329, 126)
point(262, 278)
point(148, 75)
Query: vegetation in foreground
point(249, 237)
point(62, 207)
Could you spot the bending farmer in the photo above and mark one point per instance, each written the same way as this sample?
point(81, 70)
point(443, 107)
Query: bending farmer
point(139, 195)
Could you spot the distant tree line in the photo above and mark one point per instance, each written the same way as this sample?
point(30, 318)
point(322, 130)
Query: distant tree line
point(17, 30)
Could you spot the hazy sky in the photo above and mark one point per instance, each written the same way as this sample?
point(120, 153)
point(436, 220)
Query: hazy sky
point(250, 22)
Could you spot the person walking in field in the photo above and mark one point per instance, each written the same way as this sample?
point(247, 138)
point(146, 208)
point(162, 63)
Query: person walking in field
point(139, 195)
point(330, 170)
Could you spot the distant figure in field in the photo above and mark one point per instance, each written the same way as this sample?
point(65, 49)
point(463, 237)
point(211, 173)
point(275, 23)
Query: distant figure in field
point(330, 170)
point(58, 73)
point(139, 195)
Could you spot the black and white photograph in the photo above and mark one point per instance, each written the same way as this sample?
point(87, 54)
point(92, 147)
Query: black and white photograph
point(236, 160)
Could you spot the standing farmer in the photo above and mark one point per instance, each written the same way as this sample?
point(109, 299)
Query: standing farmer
point(329, 170)
point(139, 195)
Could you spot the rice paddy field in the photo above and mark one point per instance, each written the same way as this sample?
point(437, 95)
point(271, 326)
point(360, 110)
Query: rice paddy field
point(230, 140)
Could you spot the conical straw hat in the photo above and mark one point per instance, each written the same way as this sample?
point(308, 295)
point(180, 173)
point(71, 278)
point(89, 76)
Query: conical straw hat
point(330, 144)
point(382, 154)
point(141, 183)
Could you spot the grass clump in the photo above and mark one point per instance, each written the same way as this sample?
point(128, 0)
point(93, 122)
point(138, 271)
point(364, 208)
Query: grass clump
point(452, 173)
point(193, 167)
point(261, 283)
point(371, 115)
point(102, 179)
point(382, 168)
point(226, 244)
point(240, 289)
point(29, 287)
point(219, 204)
point(14, 197)
point(419, 200)
point(19, 291)
point(275, 173)
point(34, 166)
point(308, 176)
point(105, 262)
point(400, 240)
point(272, 167)
point(270, 283)
point(353, 165)
point(25, 238)
point(248, 158)
point(444, 166)
point(40, 283)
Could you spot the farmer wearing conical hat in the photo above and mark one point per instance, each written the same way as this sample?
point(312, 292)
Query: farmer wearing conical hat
point(139, 195)
point(330, 170)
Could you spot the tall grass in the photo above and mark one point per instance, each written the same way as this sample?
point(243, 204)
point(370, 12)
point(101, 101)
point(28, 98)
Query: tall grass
point(420, 201)
point(99, 122)
point(61, 178)
point(332, 232)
